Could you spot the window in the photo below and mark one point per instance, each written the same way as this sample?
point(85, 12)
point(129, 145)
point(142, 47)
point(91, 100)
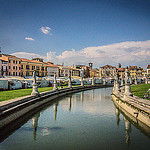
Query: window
point(13, 73)
point(19, 73)
point(27, 73)
point(27, 67)
point(19, 62)
point(33, 67)
point(16, 74)
point(13, 67)
point(37, 68)
point(9, 61)
point(42, 68)
point(16, 67)
point(14, 61)
point(9, 67)
point(21, 66)
point(6, 68)
point(2, 68)
point(45, 68)
point(9, 73)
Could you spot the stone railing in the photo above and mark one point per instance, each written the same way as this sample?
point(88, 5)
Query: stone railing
point(137, 107)
point(13, 109)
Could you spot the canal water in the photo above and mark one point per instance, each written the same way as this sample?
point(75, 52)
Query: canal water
point(86, 120)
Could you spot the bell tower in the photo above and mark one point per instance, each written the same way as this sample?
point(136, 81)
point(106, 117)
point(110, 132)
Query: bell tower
point(90, 65)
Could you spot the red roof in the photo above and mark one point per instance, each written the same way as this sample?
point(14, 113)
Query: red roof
point(121, 69)
point(132, 67)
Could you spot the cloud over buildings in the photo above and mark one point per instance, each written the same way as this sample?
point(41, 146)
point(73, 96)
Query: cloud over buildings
point(127, 53)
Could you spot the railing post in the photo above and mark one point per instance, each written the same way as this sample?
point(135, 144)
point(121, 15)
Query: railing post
point(136, 80)
point(93, 81)
point(104, 81)
point(35, 87)
point(117, 86)
point(127, 85)
point(55, 82)
point(122, 81)
point(69, 81)
point(146, 80)
point(82, 83)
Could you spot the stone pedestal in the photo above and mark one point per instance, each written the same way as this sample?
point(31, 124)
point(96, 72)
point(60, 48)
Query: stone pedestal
point(35, 90)
point(93, 81)
point(130, 80)
point(55, 83)
point(136, 81)
point(114, 87)
point(69, 82)
point(104, 81)
point(122, 81)
point(117, 87)
point(127, 91)
point(146, 81)
point(82, 83)
point(35, 87)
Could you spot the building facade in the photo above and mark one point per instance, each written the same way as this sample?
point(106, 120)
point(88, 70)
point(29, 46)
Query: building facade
point(107, 71)
point(133, 71)
point(63, 71)
point(28, 66)
point(75, 71)
point(4, 67)
point(52, 69)
point(139, 72)
point(94, 72)
point(14, 65)
point(121, 72)
point(148, 70)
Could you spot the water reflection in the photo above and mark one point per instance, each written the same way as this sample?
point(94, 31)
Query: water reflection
point(127, 129)
point(128, 120)
point(35, 124)
point(84, 120)
point(118, 116)
point(55, 109)
point(69, 99)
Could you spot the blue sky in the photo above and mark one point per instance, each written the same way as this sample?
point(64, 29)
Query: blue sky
point(63, 30)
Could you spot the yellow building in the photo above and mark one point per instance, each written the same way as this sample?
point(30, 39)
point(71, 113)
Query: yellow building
point(133, 71)
point(14, 64)
point(28, 66)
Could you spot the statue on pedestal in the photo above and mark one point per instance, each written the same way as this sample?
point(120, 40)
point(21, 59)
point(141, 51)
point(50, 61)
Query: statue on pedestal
point(35, 88)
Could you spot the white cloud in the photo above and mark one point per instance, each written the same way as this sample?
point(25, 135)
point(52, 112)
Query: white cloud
point(46, 30)
point(126, 53)
point(30, 39)
point(26, 55)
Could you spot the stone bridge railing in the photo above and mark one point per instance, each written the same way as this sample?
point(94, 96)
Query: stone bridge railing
point(137, 107)
point(13, 109)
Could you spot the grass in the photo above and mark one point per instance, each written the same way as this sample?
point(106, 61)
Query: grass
point(7, 95)
point(140, 90)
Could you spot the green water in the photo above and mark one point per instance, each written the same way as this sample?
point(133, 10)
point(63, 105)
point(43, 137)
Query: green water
point(83, 121)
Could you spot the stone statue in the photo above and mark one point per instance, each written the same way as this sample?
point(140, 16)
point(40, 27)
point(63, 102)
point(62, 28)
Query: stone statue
point(35, 88)
point(34, 76)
